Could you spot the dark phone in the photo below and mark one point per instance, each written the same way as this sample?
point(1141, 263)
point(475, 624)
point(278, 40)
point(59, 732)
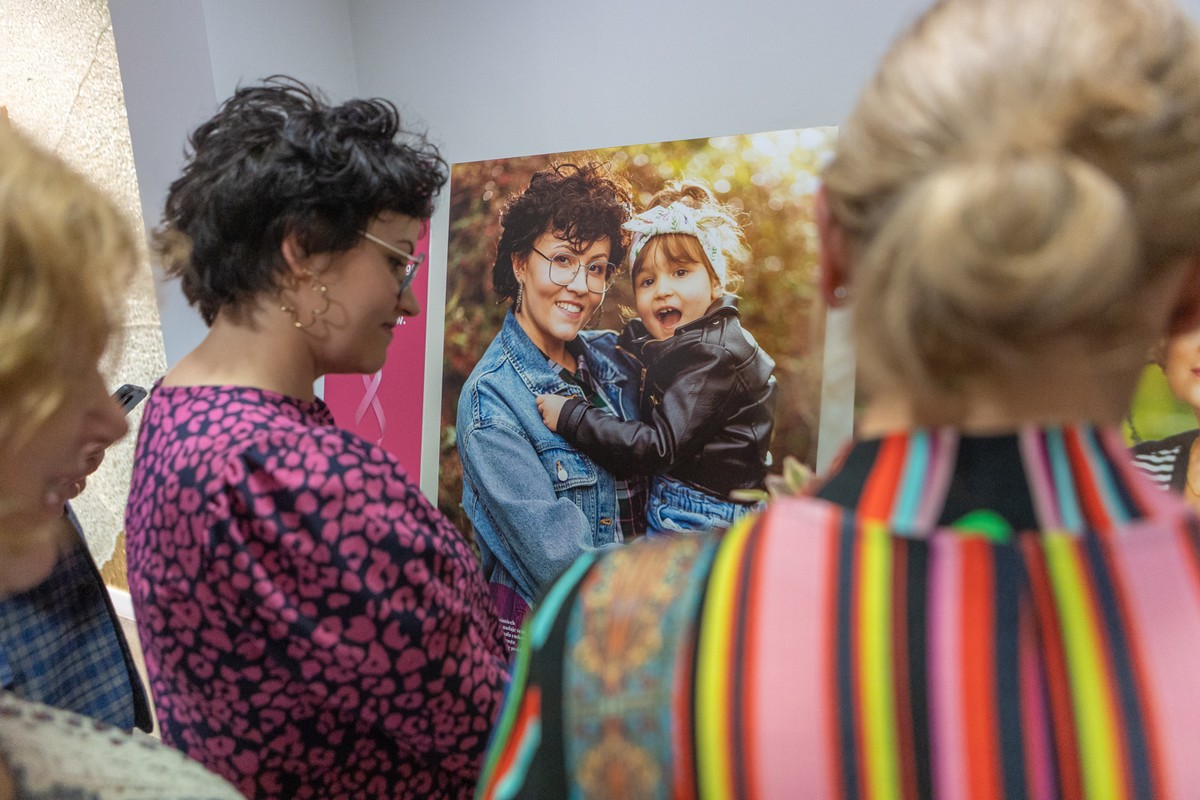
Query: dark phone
point(129, 396)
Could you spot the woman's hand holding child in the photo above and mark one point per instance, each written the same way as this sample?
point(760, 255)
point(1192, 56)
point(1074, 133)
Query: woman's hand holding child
point(550, 405)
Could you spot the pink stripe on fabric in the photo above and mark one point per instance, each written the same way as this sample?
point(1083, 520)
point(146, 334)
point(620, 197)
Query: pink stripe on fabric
point(795, 602)
point(1035, 719)
point(1165, 632)
point(1041, 483)
point(943, 447)
point(947, 733)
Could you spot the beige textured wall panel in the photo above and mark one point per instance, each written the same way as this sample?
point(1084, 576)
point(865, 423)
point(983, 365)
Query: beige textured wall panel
point(60, 80)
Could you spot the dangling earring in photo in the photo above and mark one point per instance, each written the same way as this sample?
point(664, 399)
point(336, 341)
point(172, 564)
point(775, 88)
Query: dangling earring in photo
point(520, 297)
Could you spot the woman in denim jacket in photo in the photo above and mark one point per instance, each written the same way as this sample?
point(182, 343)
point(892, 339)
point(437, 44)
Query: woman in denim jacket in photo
point(537, 503)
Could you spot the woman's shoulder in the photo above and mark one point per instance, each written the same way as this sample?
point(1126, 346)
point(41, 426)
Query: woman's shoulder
point(50, 753)
point(262, 430)
point(231, 413)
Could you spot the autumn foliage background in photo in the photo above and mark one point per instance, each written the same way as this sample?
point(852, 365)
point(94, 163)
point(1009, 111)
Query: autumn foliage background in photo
point(770, 178)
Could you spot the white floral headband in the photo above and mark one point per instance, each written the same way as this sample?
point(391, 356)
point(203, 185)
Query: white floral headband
point(675, 218)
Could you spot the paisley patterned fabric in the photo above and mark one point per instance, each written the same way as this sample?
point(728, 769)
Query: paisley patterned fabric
point(312, 626)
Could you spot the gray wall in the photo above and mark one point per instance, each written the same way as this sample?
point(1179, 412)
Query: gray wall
point(497, 79)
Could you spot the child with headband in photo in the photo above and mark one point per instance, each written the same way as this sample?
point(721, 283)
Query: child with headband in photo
point(707, 395)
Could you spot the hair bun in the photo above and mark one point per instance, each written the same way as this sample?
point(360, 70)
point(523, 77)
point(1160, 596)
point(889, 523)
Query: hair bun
point(998, 252)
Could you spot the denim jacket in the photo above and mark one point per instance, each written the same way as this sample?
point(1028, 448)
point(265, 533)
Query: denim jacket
point(536, 502)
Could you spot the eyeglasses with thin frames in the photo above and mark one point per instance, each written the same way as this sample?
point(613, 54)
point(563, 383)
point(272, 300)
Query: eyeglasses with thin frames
point(563, 270)
point(411, 263)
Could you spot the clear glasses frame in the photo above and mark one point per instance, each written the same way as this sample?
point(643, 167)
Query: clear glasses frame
point(411, 263)
point(564, 269)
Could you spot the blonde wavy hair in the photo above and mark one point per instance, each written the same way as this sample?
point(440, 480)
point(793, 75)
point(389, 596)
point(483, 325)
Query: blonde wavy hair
point(66, 257)
point(1016, 170)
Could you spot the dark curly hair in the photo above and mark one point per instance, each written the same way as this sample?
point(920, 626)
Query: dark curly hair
point(278, 158)
point(582, 203)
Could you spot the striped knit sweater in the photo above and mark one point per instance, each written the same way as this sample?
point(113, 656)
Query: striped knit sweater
point(1166, 460)
point(955, 617)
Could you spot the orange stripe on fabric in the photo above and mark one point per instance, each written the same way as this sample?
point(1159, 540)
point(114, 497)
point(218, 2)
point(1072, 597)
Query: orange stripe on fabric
point(531, 708)
point(979, 677)
point(879, 493)
point(1058, 686)
point(1094, 509)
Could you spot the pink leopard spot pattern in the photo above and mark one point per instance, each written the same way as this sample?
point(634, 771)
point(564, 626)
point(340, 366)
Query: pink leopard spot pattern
point(313, 627)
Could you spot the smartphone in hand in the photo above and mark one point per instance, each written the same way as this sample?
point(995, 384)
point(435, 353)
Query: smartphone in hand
point(128, 396)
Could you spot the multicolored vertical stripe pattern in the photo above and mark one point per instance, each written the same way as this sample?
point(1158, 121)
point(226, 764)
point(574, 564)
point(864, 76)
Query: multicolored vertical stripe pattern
point(884, 652)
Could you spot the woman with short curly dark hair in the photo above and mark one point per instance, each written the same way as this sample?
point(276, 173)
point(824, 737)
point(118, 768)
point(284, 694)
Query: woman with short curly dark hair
point(313, 627)
point(536, 503)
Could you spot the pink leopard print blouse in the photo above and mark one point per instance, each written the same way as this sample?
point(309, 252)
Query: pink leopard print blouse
point(312, 626)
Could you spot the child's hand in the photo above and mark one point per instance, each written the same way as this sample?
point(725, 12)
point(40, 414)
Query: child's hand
point(550, 405)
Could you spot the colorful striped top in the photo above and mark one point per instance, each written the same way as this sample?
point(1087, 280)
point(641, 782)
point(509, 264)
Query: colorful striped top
point(953, 617)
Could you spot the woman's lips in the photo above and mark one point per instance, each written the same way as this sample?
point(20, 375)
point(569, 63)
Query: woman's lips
point(568, 307)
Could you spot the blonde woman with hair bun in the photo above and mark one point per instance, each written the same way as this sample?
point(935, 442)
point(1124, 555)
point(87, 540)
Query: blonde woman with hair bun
point(67, 255)
point(984, 598)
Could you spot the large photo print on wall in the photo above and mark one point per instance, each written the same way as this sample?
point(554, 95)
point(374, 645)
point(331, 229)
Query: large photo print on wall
point(767, 181)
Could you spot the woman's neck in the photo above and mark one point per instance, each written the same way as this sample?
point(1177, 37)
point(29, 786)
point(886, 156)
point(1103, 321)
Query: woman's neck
point(1055, 391)
point(254, 349)
point(31, 550)
point(554, 349)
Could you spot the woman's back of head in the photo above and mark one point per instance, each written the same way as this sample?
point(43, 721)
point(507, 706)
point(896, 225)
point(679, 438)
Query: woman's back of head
point(66, 256)
point(1016, 171)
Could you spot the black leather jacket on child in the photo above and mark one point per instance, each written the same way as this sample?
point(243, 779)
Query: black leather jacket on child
point(707, 407)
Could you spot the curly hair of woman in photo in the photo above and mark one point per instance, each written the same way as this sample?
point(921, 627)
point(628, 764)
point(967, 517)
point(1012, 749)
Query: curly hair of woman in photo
point(984, 597)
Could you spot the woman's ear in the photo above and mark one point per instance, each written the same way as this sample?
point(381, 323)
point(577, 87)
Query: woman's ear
point(518, 266)
point(834, 258)
point(295, 255)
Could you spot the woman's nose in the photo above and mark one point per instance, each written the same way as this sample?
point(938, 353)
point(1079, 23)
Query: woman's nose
point(408, 305)
point(578, 284)
point(107, 423)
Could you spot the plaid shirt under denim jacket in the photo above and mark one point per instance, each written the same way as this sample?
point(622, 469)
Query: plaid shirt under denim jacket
point(61, 644)
point(536, 502)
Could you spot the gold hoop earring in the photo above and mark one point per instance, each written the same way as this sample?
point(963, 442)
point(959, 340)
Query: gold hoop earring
point(323, 290)
point(520, 298)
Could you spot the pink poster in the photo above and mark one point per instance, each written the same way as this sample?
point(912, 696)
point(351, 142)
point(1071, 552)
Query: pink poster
point(385, 408)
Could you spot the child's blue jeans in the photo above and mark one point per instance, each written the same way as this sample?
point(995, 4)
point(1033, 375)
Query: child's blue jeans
point(676, 508)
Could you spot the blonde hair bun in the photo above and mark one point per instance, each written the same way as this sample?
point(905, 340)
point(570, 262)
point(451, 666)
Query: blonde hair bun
point(981, 258)
point(1017, 170)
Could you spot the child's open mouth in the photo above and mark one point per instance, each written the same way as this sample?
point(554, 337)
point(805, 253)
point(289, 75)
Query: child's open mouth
point(668, 317)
